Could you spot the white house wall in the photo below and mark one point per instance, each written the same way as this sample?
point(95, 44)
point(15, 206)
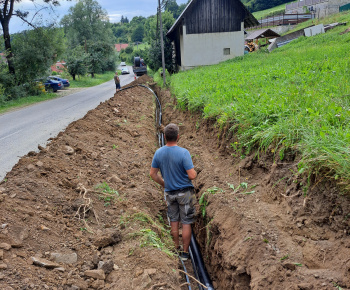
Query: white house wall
point(208, 48)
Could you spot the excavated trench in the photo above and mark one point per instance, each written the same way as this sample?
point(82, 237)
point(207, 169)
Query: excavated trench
point(267, 234)
point(198, 268)
point(264, 226)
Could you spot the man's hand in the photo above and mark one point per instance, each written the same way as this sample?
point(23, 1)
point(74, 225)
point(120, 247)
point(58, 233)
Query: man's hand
point(192, 174)
point(155, 176)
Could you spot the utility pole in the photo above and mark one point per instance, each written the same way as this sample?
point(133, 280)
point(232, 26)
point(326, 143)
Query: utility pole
point(161, 41)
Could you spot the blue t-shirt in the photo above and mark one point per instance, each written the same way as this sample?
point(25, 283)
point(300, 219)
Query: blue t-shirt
point(173, 161)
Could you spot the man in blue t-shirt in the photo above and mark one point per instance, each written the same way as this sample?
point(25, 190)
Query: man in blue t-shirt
point(176, 167)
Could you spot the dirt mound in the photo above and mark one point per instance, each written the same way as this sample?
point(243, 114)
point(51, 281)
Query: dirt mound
point(73, 215)
point(83, 213)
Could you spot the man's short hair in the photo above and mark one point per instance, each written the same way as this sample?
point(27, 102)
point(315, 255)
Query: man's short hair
point(171, 132)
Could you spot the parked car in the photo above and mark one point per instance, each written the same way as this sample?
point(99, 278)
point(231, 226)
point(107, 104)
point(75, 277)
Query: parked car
point(122, 63)
point(65, 82)
point(50, 85)
point(125, 70)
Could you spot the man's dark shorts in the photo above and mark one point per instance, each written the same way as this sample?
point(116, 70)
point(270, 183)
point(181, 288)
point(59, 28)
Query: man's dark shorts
point(181, 206)
point(117, 86)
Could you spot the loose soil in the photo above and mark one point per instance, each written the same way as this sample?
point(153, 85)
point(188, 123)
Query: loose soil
point(77, 214)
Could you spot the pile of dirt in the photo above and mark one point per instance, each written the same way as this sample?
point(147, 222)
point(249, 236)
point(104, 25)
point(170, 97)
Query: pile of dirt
point(83, 213)
point(74, 214)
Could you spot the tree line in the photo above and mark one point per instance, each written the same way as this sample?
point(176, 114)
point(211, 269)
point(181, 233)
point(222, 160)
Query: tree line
point(84, 39)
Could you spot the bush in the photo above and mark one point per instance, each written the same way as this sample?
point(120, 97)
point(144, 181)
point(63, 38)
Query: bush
point(129, 49)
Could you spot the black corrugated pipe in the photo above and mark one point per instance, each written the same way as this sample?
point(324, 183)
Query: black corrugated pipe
point(196, 256)
point(198, 264)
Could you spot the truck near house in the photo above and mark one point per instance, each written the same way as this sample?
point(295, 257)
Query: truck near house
point(139, 68)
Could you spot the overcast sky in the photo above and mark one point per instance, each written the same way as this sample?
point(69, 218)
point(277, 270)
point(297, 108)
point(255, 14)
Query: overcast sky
point(114, 8)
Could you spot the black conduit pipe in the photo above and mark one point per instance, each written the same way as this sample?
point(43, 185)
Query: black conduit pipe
point(198, 264)
point(161, 144)
point(195, 253)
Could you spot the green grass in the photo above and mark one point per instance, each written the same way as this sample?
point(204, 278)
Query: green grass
point(280, 9)
point(297, 97)
point(143, 46)
point(87, 81)
point(340, 17)
point(154, 233)
point(80, 82)
point(6, 106)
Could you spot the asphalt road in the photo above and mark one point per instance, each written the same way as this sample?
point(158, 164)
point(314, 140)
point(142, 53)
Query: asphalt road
point(23, 130)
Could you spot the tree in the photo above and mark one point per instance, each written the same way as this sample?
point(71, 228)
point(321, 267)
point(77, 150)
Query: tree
point(124, 20)
point(154, 59)
point(137, 34)
point(173, 8)
point(76, 62)
point(98, 56)
point(87, 21)
point(137, 20)
point(87, 25)
point(7, 10)
point(35, 51)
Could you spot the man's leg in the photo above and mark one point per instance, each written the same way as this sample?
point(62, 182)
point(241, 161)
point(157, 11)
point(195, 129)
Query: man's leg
point(186, 202)
point(186, 236)
point(175, 233)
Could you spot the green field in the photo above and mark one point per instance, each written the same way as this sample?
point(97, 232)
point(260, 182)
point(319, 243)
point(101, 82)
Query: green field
point(280, 9)
point(87, 81)
point(295, 98)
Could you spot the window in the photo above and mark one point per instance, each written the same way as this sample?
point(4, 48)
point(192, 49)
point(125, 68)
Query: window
point(226, 51)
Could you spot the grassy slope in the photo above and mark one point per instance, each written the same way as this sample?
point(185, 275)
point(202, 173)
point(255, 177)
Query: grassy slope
point(268, 12)
point(298, 96)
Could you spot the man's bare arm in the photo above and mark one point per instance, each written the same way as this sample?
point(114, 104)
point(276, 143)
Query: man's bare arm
point(155, 176)
point(192, 174)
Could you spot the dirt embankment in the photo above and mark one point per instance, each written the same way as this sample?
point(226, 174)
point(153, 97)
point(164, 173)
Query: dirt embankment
point(73, 216)
point(63, 226)
point(265, 227)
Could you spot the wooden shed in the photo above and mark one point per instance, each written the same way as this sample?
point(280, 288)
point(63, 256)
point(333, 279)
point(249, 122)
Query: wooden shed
point(210, 31)
point(262, 33)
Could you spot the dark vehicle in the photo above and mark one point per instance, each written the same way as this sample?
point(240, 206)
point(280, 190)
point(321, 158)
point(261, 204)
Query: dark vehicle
point(139, 68)
point(51, 85)
point(125, 70)
point(65, 82)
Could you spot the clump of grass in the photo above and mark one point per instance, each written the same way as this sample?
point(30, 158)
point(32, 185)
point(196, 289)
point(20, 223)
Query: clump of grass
point(108, 194)
point(149, 238)
point(153, 233)
point(203, 200)
point(158, 78)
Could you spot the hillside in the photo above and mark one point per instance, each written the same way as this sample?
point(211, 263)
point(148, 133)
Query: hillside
point(295, 98)
point(258, 5)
